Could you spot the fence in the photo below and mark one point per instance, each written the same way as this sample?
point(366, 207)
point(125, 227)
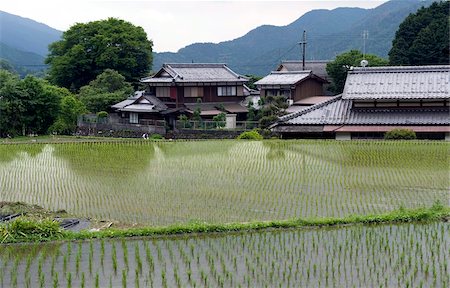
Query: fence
point(93, 125)
point(214, 125)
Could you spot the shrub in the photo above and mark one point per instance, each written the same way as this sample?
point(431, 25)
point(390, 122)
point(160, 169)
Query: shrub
point(156, 136)
point(250, 135)
point(400, 134)
point(102, 114)
point(219, 120)
point(24, 229)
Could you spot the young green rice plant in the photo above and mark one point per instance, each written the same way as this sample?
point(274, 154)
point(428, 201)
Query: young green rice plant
point(124, 278)
point(114, 257)
point(69, 280)
point(357, 178)
point(41, 280)
point(125, 253)
point(55, 280)
point(91, 255)
point(102, 251)
point(137, 256)
point(97, 280)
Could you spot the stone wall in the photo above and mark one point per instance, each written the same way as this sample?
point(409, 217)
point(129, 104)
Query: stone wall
point(118, 130)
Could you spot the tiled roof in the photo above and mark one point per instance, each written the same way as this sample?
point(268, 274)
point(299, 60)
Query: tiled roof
point(318, 67)
point(195, 72)
point(140, 102)
point(338, 111)
point(213, 107)
point(283, 78)
point(400, 82)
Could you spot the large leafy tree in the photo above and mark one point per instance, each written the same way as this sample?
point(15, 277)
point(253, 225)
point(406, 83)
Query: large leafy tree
point(423, 37)
point(86, 50)
point(30, 105)
point(338, 68)
point(107, 89)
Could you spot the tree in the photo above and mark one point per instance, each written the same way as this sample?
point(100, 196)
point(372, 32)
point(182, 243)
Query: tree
point(272, 108)
point(107, 89)
point(30, 105)
point(338, 68)
point(66, 122)
point(12, 107)
point(251, 81)
point(5, 65)
point(423, 37)
point(86, 50)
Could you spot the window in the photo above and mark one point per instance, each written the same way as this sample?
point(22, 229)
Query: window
point(277, 92)
point(134, 119)
point(162, 92)
point(226, 91)
point(193, 91)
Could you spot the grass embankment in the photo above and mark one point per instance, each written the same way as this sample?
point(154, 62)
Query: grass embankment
point(25, 230)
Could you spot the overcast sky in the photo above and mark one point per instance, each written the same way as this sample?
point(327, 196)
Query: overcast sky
point(174, 24)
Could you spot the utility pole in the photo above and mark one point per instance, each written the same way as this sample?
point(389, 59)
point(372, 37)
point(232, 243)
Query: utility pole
point(303, 43)
point(365, 36)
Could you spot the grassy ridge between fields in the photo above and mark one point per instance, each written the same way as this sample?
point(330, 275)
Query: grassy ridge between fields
point(26, 230)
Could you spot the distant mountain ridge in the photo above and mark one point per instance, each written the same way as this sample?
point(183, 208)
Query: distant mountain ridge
point(329, 32)
point(26, 35)
point(24, 42)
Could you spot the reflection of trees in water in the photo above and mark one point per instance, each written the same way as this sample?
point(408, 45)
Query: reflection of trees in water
point(277, 150)
point(192, 148)
point(106, 159)
point(9, 152)
point(22, 251)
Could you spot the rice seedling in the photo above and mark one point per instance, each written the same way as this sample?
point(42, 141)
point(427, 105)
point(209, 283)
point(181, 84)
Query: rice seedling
point(174, 182)
point(177, 182)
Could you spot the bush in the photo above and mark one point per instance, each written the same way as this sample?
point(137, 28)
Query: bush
point(61, 127)
point(400, 134)
point(102, 114)
point(250, 135)
point(23, 229)
point(156, 136)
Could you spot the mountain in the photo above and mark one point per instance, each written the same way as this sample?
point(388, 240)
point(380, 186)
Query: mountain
point(24, 42)
point(26, 34)
point(329, 32)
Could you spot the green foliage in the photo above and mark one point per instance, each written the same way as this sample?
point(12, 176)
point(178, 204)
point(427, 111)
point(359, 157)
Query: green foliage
point(400, 134)
point(184, 121)
point(251, 81)
point(107, 89)
point(14, 60)
point(423, 37)
point(30, 105)
point(338, 68)
point(219, 120)
point(272, 108)
point(66, 122)
point(86, 50)
point(250, 135)
point(156, 137)
point(25, 230)
point(5, 65)
point(28, 230)
point(102, 114)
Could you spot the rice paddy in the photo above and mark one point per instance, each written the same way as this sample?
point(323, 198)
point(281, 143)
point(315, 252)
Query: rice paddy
point(160, 183)
point(408, 255)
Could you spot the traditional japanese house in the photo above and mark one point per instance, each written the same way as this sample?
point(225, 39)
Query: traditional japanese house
point(376, 100)
point(214, 88)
